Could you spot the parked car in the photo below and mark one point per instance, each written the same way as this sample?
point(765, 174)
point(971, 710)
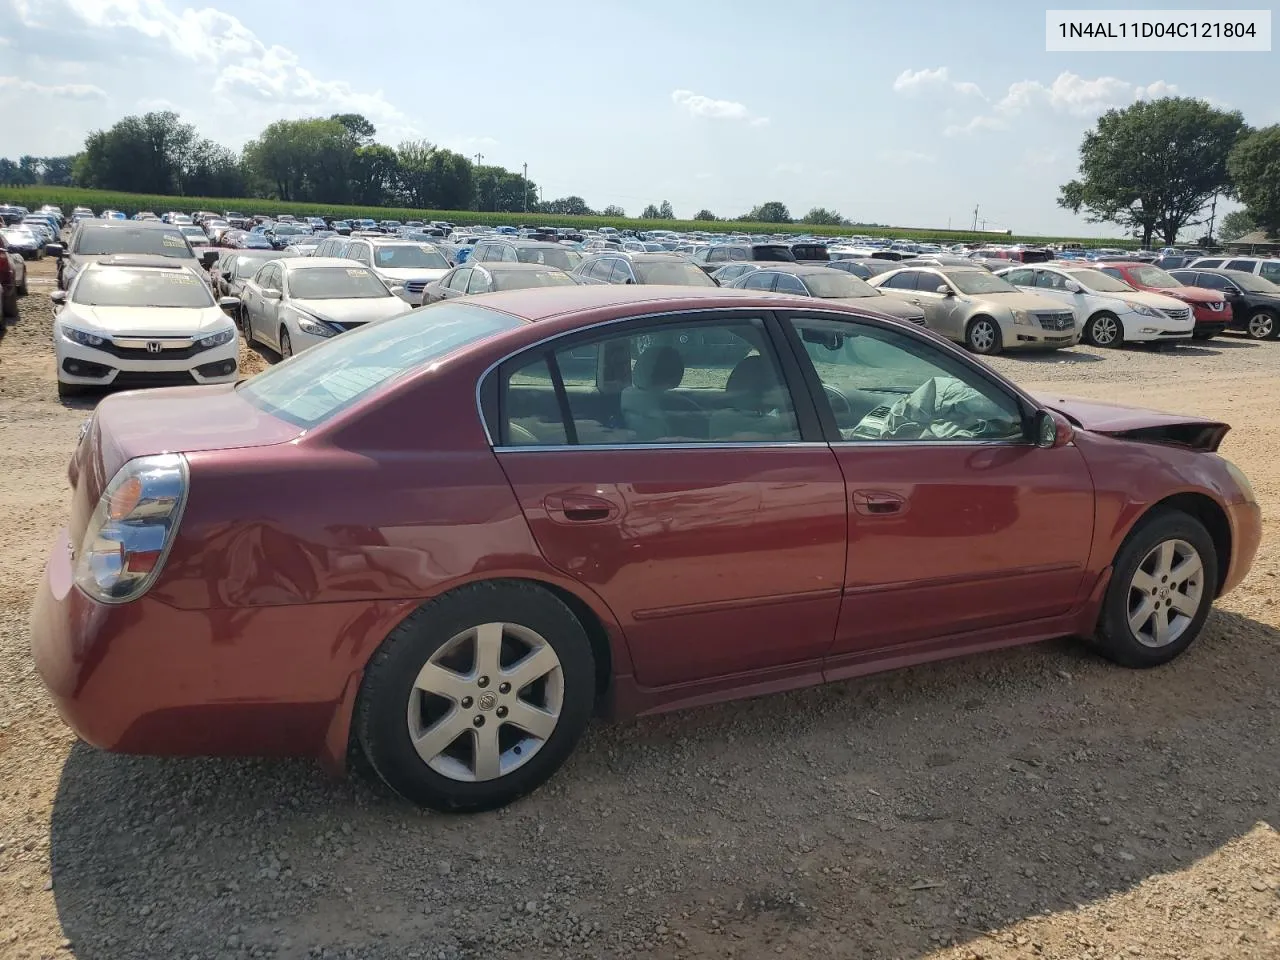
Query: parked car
point(195, 235)
point(1209, 308)
point(494, 276)
point(413, 587)
point(1254, 300)
point(712, 257)
point(237, 266)
point(509, 250)
point(294, 303)
point(815, 280)
point(1108, 311)
point(13, 271)
point(137, 321)
point(403, 266)
point(1266, 267)
point(864, 267)
point(984, 312)
point(732, 271)
point(619, 267)
point(94, 239)
point(23, 242)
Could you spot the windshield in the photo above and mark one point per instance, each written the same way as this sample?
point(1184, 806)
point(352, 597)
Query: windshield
point(1153, 277)
point(311, 387)
point(410, 256)
point(1252, 282)
point(839, 284)
point(681, 273)
point(1097, 280)
point(335, 283)
point(125, 287)
point(979, 282)
point(103, 241)
point(520, 279)
point(565, 259)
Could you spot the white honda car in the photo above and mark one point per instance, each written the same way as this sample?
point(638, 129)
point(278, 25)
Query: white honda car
point(1108, 311)
point(132, 321)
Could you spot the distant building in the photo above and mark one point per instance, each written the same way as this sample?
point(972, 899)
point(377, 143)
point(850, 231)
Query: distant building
point(1256, 243)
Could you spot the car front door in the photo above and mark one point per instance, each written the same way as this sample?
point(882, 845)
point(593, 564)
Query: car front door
point(267, 322)
point(662, 464)
point(958, 526)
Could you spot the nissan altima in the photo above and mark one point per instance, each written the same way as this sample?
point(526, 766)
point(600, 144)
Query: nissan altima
point(447, 539)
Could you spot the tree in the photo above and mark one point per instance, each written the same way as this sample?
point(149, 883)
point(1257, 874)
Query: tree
point(307, 160)
point(357, 125)
point(821, 216)
point(613, 210)
point(704, 214)
point(211, 170)
point(57, 170)
point(1255, 174)
point(665, 212)
point(649, 213)
point(567, 206)
point(498, 189)
point(775, 211)
point(1153, 166)
point(144, 154)
point(374, 174)
point(1235, 225)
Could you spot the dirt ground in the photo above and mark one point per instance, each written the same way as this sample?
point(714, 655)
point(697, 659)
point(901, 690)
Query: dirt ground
point(1032, 803)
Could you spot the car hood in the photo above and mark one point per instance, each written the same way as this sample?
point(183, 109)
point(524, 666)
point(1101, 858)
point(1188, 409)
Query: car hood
point(1191, 294)
point(401, 276)
point(1019, 301)
point(1137, 423)
point(1156, 301)
point(884, 304)
point(355, 311)
point(151, 321)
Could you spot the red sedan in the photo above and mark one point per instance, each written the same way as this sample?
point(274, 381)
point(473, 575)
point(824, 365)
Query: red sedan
point(1211, 311)
point(448, 538)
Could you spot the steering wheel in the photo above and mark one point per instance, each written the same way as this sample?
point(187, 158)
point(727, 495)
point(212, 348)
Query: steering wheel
point(839, 402)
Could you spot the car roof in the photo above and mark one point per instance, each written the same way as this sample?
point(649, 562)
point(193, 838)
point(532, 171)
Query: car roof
point(796, 268)
point(1219, 271)
point(302, 263)
point(127, 225)
point(506, 266)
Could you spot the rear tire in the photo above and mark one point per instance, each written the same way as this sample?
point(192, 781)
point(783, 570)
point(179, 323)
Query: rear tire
point(286, 345)
point(416, 676)
point(982, 336)
point(246, 328)
point(9, 305)
point(1262, 325)
point(1163, 584)
point(1103, 329)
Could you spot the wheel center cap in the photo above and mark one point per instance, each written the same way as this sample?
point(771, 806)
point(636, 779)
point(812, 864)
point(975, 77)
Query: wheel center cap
point(487, 701)
point(1164, 593)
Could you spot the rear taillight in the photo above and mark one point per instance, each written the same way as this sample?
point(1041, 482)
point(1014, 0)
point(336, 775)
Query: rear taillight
point(132, 528)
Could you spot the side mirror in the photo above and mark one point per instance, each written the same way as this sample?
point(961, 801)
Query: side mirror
point(1052, 430)
point(270, 294)
point(228, 303)
point(58, 297)
point(53, 250)
point(208, 258)
point(945, 290)
point(1072, 286)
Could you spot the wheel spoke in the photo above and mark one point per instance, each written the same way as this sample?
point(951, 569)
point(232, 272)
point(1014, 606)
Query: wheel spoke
point(434, 678)
point(1138, 619)
point(1164, 562)
point(532, 720)
point(534, 666)
point(489, 649)
point(1184, 604)
point(487, 755)
point(1162, 631)
point(1187, 569)
point(430, 743)
point(1145, 582)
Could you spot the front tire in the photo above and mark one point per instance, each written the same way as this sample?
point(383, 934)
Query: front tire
point(246, 328)
point(9, 305)
point(1103, 330)
point(1262, 325)
point(478, 697)
point(1162, 587)
point(982, 336)
point(286, 344)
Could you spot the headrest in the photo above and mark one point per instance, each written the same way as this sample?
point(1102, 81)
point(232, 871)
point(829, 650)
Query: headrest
point(658, 368)
point(752, 375)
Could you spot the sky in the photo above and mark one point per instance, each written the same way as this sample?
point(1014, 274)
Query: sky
point(906, 115)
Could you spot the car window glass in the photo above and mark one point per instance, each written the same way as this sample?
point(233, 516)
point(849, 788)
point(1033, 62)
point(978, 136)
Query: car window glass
point(1245, 265)
point(479, 282)
point(883, 385)
point(621, 272)
point(1049, 280)
point(906, 280)
point(1111, 272)
point(760, 280)
point(789, 284)
point(1210, 264)
point(737, 253)
point(509, 254)
point(1270, 270)
point(1210, 280)
point(531, 411)
point(707, 382)
point(1021, 278)
point(459, 279)
point(717, 255)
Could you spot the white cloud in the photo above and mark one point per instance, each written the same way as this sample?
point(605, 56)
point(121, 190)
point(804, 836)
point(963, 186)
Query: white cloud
point(976, 125)
point(63, 91)
point(1154, 91)
point(907, 156)
point(706, 107)
point(1069, 94)
point(917, 82)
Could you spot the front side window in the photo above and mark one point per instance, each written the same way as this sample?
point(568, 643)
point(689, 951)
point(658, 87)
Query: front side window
point(1022, 277)
point(704, 382)
point(760, 280)
point(458, 279)
point(790, 284)
point(882, 385)
point(479, 282)
point(906, 280)
point(1270, 270)
point(978, 282)
point(1245, 265)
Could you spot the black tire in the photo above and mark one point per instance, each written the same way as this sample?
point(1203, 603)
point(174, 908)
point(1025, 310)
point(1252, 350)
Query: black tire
point(1262, 325)
point(68, 390)
point(249, 339)
point(9, 305)
point(22, 290)
point(977, 343)
point(1103, 329)
point(379, 722)
point(286, 345)
point(1115, 638)
point(1203, 335)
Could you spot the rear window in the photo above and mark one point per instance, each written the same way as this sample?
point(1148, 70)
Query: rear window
point(565, 259)
point(774, 252)
point(682, 274)
point(312, 387)
point(95, 241)
point(521, 279)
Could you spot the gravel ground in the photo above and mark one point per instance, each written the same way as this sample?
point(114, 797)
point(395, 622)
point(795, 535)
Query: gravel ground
point(1031, 803)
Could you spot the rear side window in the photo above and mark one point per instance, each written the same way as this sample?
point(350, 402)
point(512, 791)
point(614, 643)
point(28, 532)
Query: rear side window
point(312, 387)
point(1245, 265)
point(1271, 271)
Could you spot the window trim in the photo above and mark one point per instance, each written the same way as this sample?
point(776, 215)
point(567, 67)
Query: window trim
point(831, 431)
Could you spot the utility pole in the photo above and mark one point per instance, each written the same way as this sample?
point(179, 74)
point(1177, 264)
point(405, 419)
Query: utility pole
point(525, 183)
point(975, 217)
point(479, 157)
point(1213, 213)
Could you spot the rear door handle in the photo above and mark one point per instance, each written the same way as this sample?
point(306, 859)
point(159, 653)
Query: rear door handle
point(878, 503)
point(579, 509)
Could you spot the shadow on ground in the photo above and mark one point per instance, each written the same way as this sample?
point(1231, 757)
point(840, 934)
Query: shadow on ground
point(875, 818)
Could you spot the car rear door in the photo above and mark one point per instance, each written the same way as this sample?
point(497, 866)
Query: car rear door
point(958, 526)
point(665, 464)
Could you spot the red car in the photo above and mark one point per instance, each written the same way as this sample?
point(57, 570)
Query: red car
point(1211, 311)
point(448, 538)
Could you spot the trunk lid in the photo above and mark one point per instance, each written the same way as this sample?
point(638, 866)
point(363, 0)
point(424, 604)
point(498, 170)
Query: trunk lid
point(1138, 424)
point(172, 420)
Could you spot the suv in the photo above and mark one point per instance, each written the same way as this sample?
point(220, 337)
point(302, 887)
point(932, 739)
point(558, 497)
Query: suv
point(525, 251)
point(1266, 267)
point(712, 258)
point(619, 267)
point(403, 265)
point(94, 240)
point(1208, 306)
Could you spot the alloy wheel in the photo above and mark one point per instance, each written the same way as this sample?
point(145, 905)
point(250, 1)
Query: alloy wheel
point(286, 345)
point(1105, 331)
point(486, 702)
point(1165, 593)
point(1261, 325)
point(982, 336)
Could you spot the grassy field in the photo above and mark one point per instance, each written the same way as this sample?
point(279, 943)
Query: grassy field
point(130, 203)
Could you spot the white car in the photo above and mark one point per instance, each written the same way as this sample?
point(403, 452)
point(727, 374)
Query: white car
point(406, 266)
point(195, 235)
point(139, 322)
point(296, 302)
point(1108, 311)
